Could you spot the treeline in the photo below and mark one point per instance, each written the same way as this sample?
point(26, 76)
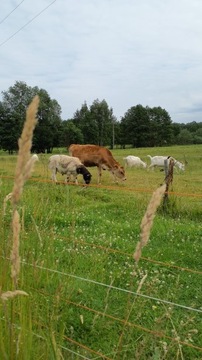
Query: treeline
point(139, 127)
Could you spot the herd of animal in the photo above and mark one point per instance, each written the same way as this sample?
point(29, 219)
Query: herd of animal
point(83, 156)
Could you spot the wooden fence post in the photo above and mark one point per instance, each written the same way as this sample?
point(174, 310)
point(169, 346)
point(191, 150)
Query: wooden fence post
point(168, 167)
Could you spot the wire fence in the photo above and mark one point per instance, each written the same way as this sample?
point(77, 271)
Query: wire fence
point(110, 187)
point(116, 319)
point(124, 321)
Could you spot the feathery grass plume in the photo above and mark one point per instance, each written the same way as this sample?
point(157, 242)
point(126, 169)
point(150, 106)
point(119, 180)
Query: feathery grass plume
point(147, 220)
point(23, 170)
point(11, 294)
point(25, 144)
point(8, 197)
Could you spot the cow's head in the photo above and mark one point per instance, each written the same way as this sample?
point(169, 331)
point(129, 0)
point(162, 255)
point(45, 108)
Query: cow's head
point(87, 178)
point(119, 172)
point(81, 169)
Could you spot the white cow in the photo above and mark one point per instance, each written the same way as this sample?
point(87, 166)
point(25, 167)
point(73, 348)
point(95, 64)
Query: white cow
point(160, 162)
point(131, 160)
point(68, 165)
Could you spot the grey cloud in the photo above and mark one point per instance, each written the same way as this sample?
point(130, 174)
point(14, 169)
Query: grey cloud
point(126, 52)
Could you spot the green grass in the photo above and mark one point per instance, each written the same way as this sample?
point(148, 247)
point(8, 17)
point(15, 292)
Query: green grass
point(69, 234)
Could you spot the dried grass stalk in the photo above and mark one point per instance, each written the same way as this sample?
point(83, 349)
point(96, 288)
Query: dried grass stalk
point(8, 197)
point(23, 170)
point(15, 257)
point(11, 294)
point(25, 144)
point(147, 220)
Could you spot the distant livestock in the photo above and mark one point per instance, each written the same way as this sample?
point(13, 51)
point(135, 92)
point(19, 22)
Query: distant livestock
point(131, 160)
point(94, 155)
point(159, 161)
point(68, 165)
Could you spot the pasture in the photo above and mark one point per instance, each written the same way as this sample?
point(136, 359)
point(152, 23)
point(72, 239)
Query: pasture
point(87, 299)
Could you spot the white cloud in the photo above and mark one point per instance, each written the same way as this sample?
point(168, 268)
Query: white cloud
point(126, 52)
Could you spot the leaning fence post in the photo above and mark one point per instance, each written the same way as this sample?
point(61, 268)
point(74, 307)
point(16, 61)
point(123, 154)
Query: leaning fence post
point(168, 167)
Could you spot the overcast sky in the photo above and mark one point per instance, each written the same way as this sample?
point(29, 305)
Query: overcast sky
point(127, 52)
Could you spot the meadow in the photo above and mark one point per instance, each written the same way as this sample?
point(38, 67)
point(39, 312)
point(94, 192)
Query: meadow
point(87, 298)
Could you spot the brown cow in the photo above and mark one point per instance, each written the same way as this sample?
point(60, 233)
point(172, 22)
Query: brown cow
point(94, 155)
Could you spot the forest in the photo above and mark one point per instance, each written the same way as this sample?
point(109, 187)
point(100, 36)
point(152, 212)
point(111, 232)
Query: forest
point(95, 124)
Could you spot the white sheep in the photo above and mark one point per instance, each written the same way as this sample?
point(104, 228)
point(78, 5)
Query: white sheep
point(68, 165)
point(131, 160)
point(160, 162)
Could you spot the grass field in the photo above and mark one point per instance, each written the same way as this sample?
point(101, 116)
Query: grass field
point(87, 299)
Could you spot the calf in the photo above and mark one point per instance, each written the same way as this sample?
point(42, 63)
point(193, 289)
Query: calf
point(131, 160)
point(94, 155)
point(160, 162)
point(68, 165)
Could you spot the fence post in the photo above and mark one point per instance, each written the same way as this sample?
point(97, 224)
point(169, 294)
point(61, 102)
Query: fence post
point(168, 167)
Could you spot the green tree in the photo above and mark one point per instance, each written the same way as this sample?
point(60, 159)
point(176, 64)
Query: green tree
point(185, 137)
point(197, 136)
point(13, 112)
point(103, 117)
point(176, 128)
point(161, 132)
point(88, 127)
point(71, 134)
point(96, 123)
point(9, 131)
point(17, 98)
point(135, 127)
point(48, 129)
point(144, 126)
point(192, 126)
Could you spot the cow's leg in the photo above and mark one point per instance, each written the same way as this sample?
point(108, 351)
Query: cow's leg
point(114, 177)
point(75, 179)
point(53, 176)
point(67, 179)
point(99, 174)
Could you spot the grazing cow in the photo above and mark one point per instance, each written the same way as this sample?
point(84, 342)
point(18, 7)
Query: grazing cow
point(131, 160)
point(160, 161)
point(68, 165)
point(94, 155)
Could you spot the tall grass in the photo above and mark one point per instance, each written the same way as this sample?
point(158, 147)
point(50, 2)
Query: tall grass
point(23, 170)
point(68, 235)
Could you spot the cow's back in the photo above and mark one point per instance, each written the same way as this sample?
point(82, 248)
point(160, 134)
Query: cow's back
point(88, 149)
point(90, 155)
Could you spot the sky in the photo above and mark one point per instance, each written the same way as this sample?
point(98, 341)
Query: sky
point(127, 52)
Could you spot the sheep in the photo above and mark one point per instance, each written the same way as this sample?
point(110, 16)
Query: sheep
point(131, 160)
point(160, 162)
point(68, 165)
